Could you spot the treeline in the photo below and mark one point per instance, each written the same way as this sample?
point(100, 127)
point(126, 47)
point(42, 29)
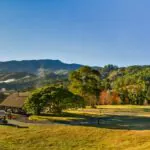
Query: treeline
point(112, 85)
point(88, 86)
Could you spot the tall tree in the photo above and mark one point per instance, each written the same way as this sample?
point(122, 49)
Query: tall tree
point(86, 83)
point(148, 93)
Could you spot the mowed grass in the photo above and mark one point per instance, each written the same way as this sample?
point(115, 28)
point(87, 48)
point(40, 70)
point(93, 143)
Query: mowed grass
point(80, 137)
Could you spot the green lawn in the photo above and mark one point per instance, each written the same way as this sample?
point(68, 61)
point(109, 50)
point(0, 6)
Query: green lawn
point(128, 131)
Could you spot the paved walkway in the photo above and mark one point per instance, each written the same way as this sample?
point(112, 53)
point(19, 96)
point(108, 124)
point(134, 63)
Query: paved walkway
point(17, 123)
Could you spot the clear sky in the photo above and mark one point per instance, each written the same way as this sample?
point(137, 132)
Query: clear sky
point(91, 32)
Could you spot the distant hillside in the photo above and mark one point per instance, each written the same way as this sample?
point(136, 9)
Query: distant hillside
point(5, 76)
point(33, 73)
point(32, 66)
point(37, 73)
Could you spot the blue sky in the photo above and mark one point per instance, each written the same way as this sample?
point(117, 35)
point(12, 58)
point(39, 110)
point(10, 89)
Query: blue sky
point(91, 32)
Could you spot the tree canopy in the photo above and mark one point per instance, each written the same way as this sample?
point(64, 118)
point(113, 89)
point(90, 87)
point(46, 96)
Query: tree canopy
point(55, 99)
point(86, 83)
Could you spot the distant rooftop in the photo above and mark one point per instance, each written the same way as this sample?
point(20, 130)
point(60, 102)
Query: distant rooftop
point(15, 100)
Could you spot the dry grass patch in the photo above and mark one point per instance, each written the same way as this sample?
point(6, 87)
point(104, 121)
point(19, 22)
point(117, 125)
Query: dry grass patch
point(60, 137)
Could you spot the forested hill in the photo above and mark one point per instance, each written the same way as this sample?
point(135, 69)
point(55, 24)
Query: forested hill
point(36, 73)
point(112, 85)
point(32, 66)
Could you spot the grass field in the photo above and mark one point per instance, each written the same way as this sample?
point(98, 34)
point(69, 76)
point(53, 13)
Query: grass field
point(120, 128)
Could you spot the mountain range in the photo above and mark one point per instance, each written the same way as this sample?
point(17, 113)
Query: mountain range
point(33, 73)
point(26, 74)
point(33, 66)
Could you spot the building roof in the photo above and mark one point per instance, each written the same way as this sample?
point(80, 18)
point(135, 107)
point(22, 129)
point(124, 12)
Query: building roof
point(15, 100)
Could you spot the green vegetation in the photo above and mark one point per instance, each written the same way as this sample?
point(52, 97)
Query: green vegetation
point(124, 124)
point(32, 66)
point(86, 83)
point(131, 84)
point(54, 99)
point(109, 85)
point(112, 85)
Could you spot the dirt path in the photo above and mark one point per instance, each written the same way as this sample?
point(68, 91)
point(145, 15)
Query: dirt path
point(22, 124)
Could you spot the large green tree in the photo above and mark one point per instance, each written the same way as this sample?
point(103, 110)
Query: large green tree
point(86, 83)
point(53, 98)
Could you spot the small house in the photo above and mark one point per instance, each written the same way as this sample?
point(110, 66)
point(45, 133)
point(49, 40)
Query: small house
point(15, 102)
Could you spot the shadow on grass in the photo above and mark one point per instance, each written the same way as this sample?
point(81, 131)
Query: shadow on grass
point(108, 121)
point(14, 125)
point(66, 114)
point(146, 110)
point(124, 122)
